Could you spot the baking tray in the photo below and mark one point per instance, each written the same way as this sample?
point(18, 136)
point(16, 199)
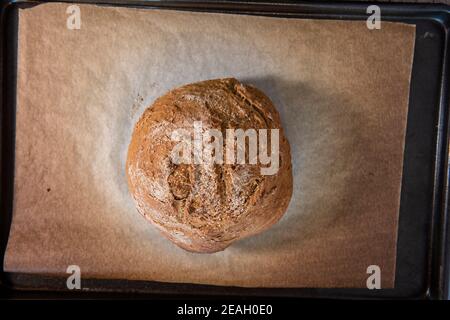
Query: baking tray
point(422, 269)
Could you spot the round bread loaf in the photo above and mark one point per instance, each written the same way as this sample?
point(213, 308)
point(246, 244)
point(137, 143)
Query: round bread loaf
point(205, 206)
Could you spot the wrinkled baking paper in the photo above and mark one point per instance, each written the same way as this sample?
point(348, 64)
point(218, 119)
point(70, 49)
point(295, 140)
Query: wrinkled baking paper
point(342, 92)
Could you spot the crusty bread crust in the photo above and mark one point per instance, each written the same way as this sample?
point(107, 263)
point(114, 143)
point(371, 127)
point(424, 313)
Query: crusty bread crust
point(204, 208)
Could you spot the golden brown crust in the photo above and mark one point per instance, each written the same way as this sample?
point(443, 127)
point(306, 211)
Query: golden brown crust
point(204, 208)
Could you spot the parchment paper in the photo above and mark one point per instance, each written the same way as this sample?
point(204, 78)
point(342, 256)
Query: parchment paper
point(342, 91)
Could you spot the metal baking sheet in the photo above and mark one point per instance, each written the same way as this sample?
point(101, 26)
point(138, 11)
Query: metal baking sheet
point(421, 239)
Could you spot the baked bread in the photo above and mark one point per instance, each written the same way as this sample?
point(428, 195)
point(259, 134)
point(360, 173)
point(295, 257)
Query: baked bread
point(204, 207)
